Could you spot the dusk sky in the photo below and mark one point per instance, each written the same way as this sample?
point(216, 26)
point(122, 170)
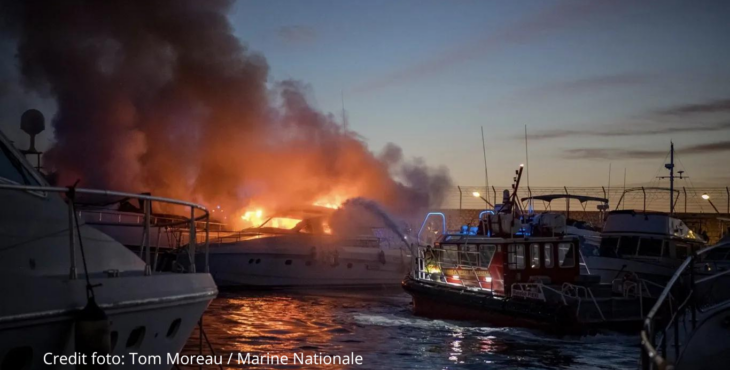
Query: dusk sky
point(595, 82)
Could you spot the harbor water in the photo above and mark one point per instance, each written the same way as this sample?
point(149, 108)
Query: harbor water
point(379, 326)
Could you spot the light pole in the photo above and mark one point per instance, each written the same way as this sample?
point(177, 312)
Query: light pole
point(477, 195)
point(706, 197)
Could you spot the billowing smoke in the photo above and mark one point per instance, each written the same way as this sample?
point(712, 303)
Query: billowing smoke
point(160, 96)
point(357, 213)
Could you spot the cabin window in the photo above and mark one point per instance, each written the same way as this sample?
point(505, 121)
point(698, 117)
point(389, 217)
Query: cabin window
point(566, 255)
point(469, 255)
point(681, 252)
point(628, 245)
point(535, 256)
point(608, 247)
point(450, 254)
point(650, 247)
point(516, 256)
point(548, 255)
point(486, 253)
point(12, 168)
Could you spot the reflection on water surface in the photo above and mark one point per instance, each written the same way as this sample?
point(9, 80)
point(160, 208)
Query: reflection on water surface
point(378, 325)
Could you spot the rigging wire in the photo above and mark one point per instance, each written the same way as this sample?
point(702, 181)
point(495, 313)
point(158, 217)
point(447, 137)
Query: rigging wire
point(71, 194)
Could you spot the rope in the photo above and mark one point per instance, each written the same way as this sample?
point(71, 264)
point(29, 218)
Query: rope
point(71, 197)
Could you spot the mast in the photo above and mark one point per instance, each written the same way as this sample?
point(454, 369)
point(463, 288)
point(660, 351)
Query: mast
point(670, 167)
point(671, 179)
point(344, 114)
point(527, 163)
point(486, 173)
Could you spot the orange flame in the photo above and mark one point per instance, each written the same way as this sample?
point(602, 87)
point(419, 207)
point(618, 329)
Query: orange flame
point(256, 216)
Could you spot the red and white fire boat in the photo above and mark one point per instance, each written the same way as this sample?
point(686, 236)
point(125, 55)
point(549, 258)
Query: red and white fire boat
point(510, 271)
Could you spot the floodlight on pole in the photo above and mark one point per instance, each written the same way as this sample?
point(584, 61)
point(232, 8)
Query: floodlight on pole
point(706, 197)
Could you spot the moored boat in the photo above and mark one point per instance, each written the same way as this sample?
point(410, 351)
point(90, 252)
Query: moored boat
point(509, 271)
point(304, 252)
point(649, 244)
point(687, 328)
point(54, 269)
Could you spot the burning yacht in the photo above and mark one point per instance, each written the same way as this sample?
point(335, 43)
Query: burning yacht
point(299, 248)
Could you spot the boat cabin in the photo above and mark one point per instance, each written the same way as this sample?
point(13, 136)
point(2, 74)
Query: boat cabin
point(647, 235)
point(494, 264)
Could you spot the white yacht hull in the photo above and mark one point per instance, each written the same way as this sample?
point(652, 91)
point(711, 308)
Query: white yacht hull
point(612, 268)
point(165, 319)
point(45, 257)
point(289, 262)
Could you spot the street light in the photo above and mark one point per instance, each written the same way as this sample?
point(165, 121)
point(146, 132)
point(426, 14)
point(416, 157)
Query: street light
point(706, 197)
point(477, 195)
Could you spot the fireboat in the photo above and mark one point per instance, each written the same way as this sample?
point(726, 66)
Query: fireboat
point(513, 270)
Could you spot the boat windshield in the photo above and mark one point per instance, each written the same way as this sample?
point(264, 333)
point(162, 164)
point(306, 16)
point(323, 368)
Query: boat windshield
point(11, 168)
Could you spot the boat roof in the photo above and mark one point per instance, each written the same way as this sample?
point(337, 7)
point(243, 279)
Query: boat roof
point(466, 238)
point(581, 198)
point(638, 211)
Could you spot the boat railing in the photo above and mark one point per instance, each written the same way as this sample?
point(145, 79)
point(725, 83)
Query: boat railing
point(112, 217)
point(535, 291)
point(674, 315)
point(427, 258)
point(574, 291)
point(73, 213)
point(425, 221)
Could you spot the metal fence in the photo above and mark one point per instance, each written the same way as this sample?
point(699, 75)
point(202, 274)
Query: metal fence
point(686, 199)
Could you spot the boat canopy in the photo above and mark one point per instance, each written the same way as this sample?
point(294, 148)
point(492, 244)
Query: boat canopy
point(552, 197)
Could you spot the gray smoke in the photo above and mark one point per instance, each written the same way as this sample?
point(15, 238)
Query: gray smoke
point(160, 96)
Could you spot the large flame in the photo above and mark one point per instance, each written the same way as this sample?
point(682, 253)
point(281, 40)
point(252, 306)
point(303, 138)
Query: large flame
point(251, 217)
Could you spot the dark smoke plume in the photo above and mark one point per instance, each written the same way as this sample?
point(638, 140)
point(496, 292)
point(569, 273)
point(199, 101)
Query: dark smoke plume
point(161, 96)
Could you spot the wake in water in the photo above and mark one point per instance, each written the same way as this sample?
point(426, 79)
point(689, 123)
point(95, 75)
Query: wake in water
point(379, 326)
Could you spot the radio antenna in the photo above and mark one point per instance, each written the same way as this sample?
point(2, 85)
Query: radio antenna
point(527, 168)
point(344, 115)
point(486, 173)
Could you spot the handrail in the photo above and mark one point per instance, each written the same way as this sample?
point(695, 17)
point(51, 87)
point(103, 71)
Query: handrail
point(650, 354)
point(443, 223)
point(470, 268)
point(170, 221)
point(147, 215)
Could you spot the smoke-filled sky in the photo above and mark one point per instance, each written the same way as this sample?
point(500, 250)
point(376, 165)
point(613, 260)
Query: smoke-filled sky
point(595, 83)
point(162, 97)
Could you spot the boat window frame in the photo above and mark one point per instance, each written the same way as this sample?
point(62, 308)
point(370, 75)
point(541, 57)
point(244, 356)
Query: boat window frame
point(548, 257)
point(602, 250)
point(9, 149)
point(621, 242)
point(561, 260)
point(661, 248)
point(512, 254)
point(444, 252)
point(684, 247)
point(532, 256)
point(481, 255)
point(467, 253)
